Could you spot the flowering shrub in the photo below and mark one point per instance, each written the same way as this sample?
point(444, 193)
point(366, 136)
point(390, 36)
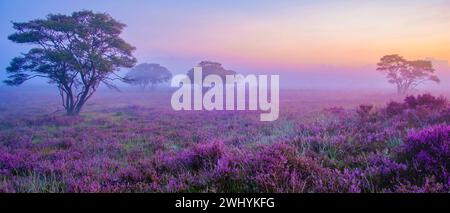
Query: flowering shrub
point(364, 110)
point(394, 108)
point(427, 153)
point(279, 168)
point(403, 147)
point(426, 100)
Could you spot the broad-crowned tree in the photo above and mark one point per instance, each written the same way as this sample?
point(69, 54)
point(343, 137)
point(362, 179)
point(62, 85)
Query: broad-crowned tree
point(406, 75)
point(145, 74)
point(211, 68)
point(75, 52)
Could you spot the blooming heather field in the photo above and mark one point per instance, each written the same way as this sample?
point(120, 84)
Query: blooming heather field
point(134, 142)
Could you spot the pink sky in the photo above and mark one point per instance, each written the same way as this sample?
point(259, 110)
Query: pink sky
point(309, 37)
point(296, 35)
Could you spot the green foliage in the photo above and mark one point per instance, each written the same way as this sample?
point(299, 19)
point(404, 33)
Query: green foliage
point(76, 53)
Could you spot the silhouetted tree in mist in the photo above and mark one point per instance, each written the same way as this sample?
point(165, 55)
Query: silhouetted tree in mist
point(406, 75)
point(75, 52)
point(211, 68)
point(145, 74)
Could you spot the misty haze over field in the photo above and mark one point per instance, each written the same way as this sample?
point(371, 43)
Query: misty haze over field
point(337, 48)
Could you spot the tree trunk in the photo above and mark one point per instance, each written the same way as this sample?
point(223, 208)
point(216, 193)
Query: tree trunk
point(143, 86)
point(75, 108)
point(402, 90)
point(71, 112)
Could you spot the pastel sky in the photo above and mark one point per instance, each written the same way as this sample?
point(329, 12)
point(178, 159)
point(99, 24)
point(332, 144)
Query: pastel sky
point(276, 36)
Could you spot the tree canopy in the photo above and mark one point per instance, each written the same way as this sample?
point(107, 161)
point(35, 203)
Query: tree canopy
point(75, 52)
point(210, 68)
point(406, 75)
point(148, 73)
